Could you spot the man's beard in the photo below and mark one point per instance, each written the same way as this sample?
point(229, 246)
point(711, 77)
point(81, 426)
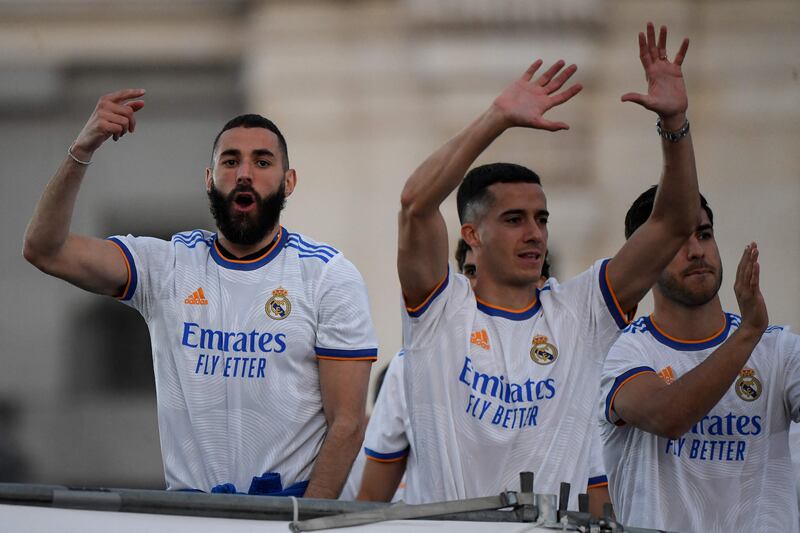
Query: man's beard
point(251, 227)
point(680, 293)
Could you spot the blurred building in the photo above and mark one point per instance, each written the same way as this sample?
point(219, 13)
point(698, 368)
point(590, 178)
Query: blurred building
point(363, 90)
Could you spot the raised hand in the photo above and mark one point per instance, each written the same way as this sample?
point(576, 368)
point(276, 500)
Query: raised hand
point(113, 116)
point(748, 292)
point(524, 102)
point(666, 90)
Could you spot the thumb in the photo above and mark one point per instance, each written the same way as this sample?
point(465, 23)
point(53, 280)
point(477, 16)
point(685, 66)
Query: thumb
point(641, 99)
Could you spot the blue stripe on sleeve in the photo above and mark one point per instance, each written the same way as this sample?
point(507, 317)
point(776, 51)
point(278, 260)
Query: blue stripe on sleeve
point(393, 456)
point(346, 354)
point(609, 298)
point(619, 382)
point(417, 311)
point(133, 277)
point(597, 480)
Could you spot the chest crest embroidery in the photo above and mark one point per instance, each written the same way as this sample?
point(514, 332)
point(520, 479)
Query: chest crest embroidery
point(748, 386)
point(543, 352)
point(278, 307)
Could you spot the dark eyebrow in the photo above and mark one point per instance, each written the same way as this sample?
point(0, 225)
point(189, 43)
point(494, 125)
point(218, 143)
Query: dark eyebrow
point(230, 151)
point(258, 152)
point(539, 213)
point(703, 227)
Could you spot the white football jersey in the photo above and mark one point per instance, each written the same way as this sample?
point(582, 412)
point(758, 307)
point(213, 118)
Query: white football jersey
point(493, 392)
point(794, 446)
point(732, 471)
point(388, 433)
point(235, 346)
point(597, 470)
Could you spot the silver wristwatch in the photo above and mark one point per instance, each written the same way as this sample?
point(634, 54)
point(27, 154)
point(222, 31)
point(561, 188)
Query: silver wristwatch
point(672, 136)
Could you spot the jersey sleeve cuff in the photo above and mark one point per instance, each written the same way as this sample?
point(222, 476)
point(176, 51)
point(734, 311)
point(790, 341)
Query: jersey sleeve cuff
point(366, 354)
point(597, 482)
point(621, 380)
point(421, 308)
point(391, 457)
point(130, 264)
point(621, 318)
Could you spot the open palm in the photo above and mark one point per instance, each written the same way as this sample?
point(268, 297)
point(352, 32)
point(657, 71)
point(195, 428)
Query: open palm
point(666, 90)
point(524, 102)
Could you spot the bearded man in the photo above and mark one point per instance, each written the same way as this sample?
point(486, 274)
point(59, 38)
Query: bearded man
point(262, 340)
point(696, 402)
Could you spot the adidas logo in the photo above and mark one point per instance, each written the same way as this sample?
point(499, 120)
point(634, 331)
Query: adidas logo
point(198, 297)
point(667, 374)
point(480, 338)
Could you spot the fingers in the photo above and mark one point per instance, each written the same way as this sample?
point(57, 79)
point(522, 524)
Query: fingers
point(119, 119)
point(644, 52)
point(528, 74)
point(556, 83)
point(682, 52)
point(118, 115)
point(135, 106)
point(124, 94)
point(545, 78)
point(755, 278)
point(662, 42)
point(563, 96)
point(747, 266)
point(651, 42)
point(755, 268)
point(741, 264)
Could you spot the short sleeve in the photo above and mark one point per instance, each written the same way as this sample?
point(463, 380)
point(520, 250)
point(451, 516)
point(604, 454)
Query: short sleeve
point(421, 323)
point(625, 361)
point(591, 303)
point(386, 438)
point(150, 263)
point(344, 323)
point(597, 472)
point(791, 348)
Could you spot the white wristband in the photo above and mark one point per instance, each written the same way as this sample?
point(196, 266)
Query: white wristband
point(69, 153)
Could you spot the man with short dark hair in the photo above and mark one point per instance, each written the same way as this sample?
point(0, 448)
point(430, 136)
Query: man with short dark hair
point(696, 402)
point(262, 340)
point(387, 443)
point(521, 397)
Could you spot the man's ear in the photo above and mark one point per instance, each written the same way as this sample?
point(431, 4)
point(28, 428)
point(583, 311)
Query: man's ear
point(209, 179)
point(469, 232)
point(290, 180)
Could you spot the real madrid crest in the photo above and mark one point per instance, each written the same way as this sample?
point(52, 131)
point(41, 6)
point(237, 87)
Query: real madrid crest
point(543, 352)
point(278, 307)
point(748, 386)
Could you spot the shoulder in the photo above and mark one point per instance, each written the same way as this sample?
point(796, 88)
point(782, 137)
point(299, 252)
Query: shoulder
point(316, 261)
point(306, 248)
point(781, 338)
point(637, 327)
point(774, 334)
point(395, 368)
point(193, 238)
point(635, 338)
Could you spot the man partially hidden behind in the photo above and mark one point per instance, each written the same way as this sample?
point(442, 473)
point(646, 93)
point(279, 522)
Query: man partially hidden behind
point(697, 402)
point(262, 340)
point(524, 397)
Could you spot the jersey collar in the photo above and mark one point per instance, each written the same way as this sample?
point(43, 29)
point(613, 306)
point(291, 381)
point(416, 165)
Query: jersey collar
point(688, 345)
point(251, 264)
point(511, 314)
